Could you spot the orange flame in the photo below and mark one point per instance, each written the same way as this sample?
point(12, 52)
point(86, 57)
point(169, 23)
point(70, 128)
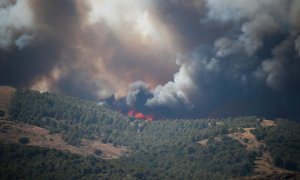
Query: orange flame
point(139, 115)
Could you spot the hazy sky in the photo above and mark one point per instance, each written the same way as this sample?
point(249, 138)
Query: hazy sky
point(170, 58)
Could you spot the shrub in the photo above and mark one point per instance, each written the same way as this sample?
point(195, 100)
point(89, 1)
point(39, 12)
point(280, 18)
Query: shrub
point(98, 152)
point(23, 140)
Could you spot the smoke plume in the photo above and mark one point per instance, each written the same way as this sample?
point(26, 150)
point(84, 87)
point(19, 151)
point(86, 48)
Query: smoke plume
point(173, 58)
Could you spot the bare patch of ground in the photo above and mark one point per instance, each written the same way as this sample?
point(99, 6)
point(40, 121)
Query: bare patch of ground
point(11, 132)
point(109, 151)
point(247, 139)
point(274, 176)
point(6, 95)
point(264, 165)
point(205, 141)
point(218, 139)
point(267, 123)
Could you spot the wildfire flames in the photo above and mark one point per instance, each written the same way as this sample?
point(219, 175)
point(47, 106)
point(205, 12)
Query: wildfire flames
point(139, 115)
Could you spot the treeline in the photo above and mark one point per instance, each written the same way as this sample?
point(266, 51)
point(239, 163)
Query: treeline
point(72, 117)
point(160, 149)
point(217, 160)
point(29, 162)
point(76, 119)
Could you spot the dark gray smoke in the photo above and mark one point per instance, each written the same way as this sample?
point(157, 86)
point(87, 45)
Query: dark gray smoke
point(253, 67)
point(39, 34)
point(173, 58)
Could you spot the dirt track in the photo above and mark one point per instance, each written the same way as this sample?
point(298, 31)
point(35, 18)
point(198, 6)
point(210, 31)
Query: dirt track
point(264, 164)
point(247, 139)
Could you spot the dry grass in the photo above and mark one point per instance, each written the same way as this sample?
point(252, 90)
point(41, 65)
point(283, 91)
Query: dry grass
point(247, 139)
point(265, 170)
point(264, 165)
point(267, 123)
point(11, 132)
point(203, 142)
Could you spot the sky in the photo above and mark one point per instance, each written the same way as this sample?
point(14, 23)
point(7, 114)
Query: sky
point(167, 58)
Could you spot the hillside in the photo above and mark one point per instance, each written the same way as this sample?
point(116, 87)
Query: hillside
point(6, 95)
point(91, 141)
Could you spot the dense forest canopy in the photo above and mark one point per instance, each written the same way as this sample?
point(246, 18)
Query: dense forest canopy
point(158, 149)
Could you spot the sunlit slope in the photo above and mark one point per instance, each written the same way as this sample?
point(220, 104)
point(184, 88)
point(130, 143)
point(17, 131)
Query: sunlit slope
point(183, 148)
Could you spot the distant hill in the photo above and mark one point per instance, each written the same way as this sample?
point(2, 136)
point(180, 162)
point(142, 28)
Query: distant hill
point(61, 137)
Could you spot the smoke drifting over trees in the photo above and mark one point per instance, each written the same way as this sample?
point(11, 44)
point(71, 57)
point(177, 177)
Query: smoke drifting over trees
point(195, 58)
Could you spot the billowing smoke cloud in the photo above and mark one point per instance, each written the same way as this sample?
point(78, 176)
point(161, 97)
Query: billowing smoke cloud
point(90, 49)
point(16, 23)
point(173, 58)
point(250, 68)
point(138, 94)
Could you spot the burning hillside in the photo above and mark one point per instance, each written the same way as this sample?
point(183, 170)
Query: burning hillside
point(139, 115)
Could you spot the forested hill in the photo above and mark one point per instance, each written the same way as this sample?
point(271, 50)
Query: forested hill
point(49, 132)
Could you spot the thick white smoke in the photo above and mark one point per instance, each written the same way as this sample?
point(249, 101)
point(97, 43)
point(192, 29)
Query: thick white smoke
point(16, 23)
point(235, 55)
